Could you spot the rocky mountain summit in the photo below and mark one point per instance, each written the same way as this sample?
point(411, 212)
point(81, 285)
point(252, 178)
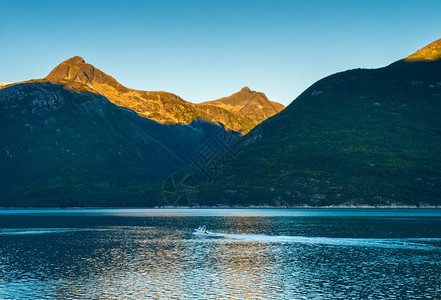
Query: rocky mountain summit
point(252, 104)
point(430, 52)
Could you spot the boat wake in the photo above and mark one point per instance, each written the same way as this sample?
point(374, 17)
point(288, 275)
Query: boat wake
point(392, 243)
point(32, 231)
point(26, 231)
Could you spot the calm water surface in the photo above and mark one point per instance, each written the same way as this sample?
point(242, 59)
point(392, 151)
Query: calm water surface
point(249, 253)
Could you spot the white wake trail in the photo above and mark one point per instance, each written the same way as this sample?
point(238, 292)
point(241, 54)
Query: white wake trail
point(393, 243)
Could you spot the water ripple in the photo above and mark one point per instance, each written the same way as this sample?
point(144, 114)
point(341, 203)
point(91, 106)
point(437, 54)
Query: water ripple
point(248, 257)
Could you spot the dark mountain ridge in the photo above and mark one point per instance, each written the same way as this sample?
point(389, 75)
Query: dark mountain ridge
point(359, 137)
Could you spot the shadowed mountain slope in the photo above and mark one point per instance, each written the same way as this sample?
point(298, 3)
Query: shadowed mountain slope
point(59, 147)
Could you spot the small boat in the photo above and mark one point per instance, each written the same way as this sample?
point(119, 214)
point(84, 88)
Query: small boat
point(202, 229)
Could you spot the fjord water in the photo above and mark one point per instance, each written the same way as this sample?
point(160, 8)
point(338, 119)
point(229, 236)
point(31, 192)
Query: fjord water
point(249, 253)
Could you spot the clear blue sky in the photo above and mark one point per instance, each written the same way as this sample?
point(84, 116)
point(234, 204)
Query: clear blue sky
point(203, 50)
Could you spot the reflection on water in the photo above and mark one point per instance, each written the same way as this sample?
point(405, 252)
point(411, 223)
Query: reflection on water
point(257, 255)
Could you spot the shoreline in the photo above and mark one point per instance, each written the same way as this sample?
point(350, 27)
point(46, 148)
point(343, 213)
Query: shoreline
point(235, 207)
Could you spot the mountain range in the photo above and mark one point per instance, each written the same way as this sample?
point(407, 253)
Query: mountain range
point(360, 137)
